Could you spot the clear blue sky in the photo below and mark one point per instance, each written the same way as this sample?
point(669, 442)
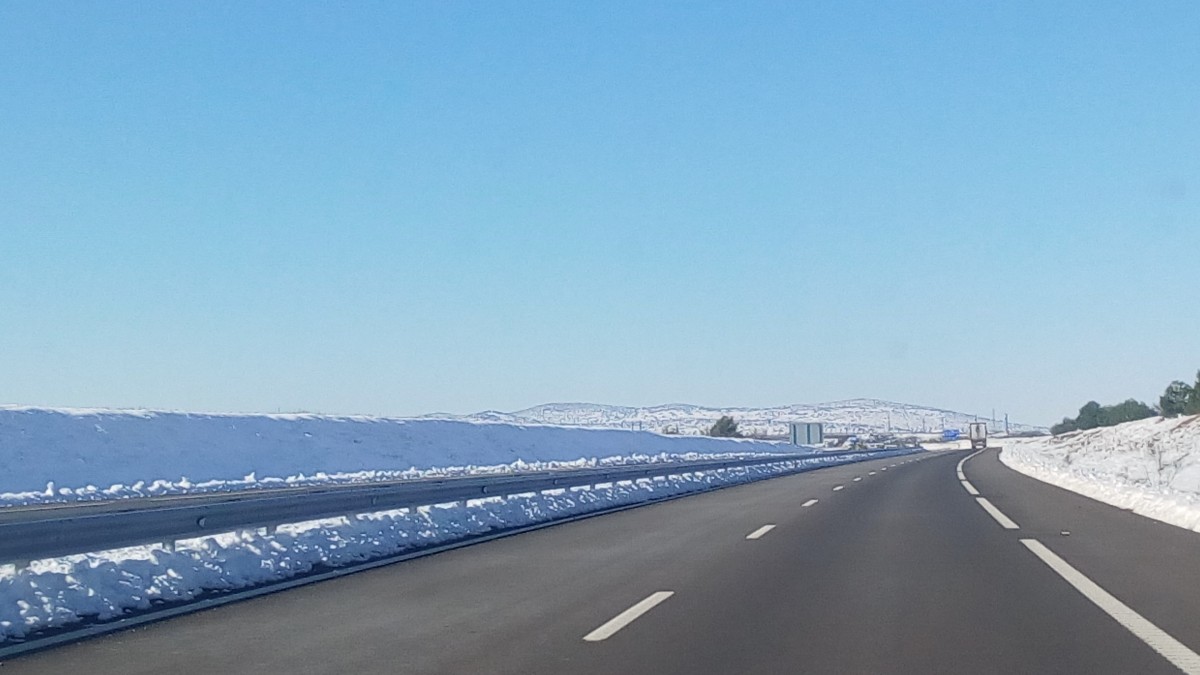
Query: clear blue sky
point(400, 208)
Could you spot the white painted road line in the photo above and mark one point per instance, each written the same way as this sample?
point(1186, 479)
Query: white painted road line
point(838, 488)
point(958, 470)
point(994, 512)
point(809, 502)
point(969, 488)
point(1171, 649)
point(757, 534)
point(857, 478)
point(627, 617)
point(870, 473)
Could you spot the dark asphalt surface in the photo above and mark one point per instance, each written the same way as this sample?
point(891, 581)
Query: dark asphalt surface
point(901, 572)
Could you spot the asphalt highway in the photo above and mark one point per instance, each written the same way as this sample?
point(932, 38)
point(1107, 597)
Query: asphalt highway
point(886, 566)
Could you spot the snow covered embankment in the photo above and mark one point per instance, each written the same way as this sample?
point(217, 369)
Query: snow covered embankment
point(103, 586)
point(74, 455)
point(149, 453)
point(1151, 467)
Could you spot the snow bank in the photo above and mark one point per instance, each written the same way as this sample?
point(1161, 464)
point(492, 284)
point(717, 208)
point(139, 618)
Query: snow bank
point(102, 586)
point(1151, 467)
point(67, 455)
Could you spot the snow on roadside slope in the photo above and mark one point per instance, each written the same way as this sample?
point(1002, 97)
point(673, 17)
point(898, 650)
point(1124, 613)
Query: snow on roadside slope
point(53, 455)
point(1151, 466)
point(102, 586)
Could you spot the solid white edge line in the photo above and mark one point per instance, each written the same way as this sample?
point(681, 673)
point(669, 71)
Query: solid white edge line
point(1171, 649)
point(627, 617)
point(757, 534)
point(809, 502)
point(838, 488)
point(994, 512)
point(969, 488)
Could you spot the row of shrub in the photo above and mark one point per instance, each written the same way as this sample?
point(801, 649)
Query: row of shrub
point(1180, 398)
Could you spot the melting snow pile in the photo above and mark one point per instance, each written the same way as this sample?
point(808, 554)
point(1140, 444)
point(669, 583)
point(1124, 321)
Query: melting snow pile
point(1151, 466)
point(70, 455)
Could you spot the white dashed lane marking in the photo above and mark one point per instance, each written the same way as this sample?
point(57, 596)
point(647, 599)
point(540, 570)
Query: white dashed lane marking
point(1159, 640)
point(627, 617)
point(757, 534)
point(994, 512)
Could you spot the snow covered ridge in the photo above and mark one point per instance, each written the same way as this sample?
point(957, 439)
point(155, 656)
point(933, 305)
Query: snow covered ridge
point(1151, 466)
point(58, 455)
point(861, 415)
point(102, 586)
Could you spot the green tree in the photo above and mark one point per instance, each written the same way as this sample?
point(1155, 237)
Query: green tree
point(1192, 405)
point(1091, 415)
point(1175, 399)
point(1065, 426)
point(1126, 411)
point(725, 428)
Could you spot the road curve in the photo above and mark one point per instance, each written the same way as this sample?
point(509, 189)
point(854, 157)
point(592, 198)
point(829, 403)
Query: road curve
point(900, 571)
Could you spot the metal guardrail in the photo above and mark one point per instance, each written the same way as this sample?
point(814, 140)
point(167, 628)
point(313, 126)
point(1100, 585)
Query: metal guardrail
point(51, 531)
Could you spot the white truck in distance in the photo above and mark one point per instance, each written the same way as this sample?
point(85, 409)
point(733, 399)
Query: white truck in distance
point(977, 432)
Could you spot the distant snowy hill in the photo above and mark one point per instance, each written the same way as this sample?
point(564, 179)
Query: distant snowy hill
point(858, 415)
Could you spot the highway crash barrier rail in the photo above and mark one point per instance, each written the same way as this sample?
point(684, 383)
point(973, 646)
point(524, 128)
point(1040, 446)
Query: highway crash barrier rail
point(49, 531)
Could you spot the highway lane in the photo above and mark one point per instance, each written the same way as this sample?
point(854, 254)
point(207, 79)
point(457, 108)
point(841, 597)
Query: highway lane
point(899, 571)
point(1153, 566)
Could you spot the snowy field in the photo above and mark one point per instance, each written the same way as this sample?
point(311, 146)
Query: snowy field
point(862, 416)
point(70, 455)
point(1151, 467)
